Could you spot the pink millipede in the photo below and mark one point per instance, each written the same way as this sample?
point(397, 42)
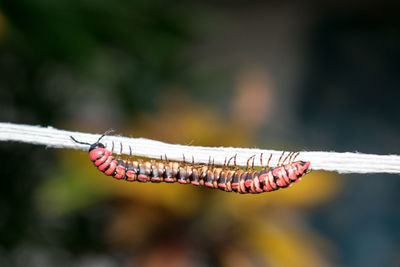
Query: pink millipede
point(226, 177)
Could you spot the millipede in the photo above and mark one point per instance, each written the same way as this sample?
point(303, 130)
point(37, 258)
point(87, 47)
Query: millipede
point(227, 178)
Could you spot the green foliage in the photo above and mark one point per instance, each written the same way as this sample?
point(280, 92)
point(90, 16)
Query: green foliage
point(120, 50)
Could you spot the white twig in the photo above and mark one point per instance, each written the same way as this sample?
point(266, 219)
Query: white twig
point(142, 147)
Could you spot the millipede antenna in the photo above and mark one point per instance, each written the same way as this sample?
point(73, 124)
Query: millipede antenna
point(104, 134)
point(79, 142)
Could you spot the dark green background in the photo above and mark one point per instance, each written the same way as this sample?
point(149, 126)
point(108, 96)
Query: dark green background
point(94, 65)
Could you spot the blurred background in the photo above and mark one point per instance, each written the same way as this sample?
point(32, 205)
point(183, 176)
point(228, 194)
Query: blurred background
point(267, 74)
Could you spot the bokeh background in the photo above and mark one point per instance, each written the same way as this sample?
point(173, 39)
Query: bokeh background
point(269, 74)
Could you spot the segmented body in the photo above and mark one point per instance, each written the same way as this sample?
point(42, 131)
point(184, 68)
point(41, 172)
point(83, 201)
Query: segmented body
point(223, 178)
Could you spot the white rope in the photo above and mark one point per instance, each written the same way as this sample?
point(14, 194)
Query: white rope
point(142, 147)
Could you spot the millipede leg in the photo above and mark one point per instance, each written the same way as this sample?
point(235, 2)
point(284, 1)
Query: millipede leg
point(229, 161)
point(279, 161)
point(130, 154)
point(247, 165)
point(120, 151)
point(270, 157)
point(283, 162)
point(291, 156)
point(234, 161)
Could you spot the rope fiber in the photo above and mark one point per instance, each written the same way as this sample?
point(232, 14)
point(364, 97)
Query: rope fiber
point(347, 162)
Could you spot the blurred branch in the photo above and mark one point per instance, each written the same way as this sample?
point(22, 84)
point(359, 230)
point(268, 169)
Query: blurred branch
point(330, 161)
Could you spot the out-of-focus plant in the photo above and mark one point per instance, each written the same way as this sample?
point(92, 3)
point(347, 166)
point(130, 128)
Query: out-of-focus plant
point(58, 57)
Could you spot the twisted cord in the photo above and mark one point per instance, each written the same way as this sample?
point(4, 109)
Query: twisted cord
point(348, 162)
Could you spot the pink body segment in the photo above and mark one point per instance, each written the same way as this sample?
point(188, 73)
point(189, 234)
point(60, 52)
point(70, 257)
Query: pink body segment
point(120, 172)
point(111, 168)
